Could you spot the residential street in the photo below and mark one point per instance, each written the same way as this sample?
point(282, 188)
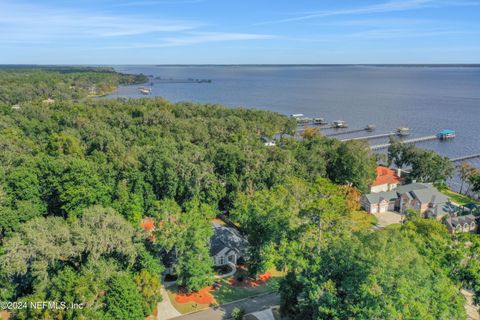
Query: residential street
point(223, 312)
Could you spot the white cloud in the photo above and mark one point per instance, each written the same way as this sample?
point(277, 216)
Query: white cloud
point(389, 6)
point(192, 38)
point(34, 23)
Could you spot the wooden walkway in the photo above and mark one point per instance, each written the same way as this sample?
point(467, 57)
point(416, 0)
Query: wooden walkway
point(377, 136)
point(470, 156)
point(415, 140)
point(345, 132)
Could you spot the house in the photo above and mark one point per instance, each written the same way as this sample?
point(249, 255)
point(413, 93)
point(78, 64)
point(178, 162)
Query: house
point(379, 201)
point(387, 179)
point(462, 224)
point(227, 245)
point(423, 197)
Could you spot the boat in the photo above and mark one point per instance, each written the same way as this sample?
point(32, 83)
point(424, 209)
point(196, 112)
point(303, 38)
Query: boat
point(297, 115)
point(370, 127)
point(446, 134)
point(403, 131)
point(301, 118)
point(145, 91)
point(319, 121)
point(339, 124)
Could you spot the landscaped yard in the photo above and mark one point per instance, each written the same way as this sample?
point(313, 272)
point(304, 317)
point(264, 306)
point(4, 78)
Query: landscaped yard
point(228, 290)
point(458, 198)
point(232, 290)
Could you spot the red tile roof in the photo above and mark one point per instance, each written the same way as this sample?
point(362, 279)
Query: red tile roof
point(385, 175)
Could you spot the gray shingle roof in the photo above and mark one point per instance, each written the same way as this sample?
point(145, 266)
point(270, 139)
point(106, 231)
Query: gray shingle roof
point(430, 195)
point(226, 237)
point(461, 220)
point(412, 186)
point(377, 197)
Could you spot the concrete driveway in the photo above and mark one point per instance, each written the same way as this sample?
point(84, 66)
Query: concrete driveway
point(165, 309)
point(387, 218)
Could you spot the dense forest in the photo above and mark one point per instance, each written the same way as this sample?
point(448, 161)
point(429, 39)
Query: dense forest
point(78, 176)
point(21, 84)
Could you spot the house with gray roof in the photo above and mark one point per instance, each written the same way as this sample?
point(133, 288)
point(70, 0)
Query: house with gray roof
point(461, 224)
point(227, 245)
point(423, 197)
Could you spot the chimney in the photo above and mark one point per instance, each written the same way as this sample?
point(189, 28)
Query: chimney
point(399, 172)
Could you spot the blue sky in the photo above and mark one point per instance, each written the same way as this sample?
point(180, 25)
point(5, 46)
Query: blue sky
point(240, 31)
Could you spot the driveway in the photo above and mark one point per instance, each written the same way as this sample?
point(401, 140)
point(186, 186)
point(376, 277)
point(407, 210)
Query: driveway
point(223, 312)
point(165, 308)
point(387, 218)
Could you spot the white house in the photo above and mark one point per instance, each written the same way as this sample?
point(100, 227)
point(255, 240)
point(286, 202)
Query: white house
point(387, 179)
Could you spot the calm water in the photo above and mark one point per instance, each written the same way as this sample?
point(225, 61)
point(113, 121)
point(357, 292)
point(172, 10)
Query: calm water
point(425, 99)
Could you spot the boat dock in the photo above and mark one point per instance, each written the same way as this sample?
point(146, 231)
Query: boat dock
point(415, 140)
point(346, 132)
point(377, 136)
point(470, 156)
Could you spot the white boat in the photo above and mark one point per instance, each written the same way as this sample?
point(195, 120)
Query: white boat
point(340, 124)
point(145, 91)
point(403, 131)
point(319, 121)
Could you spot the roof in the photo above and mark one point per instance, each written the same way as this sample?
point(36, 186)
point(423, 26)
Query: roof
point(226, 238)
point(429, 195)
point(223, 241)
point(385, 175)
point(461, 220)
point(447, 131)
point(378, 197)
point(412, 186)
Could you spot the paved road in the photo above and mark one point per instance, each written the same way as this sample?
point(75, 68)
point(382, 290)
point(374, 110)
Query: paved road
point(223, 312)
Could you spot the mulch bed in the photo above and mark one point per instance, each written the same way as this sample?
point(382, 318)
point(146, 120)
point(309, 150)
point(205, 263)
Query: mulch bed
point(201, 297)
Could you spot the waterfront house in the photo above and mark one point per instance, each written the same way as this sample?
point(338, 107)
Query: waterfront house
point(387, 179)
point(379, 201)
point(423, 197)
point(462, 224)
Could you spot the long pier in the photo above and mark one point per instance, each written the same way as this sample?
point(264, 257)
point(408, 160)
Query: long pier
point(377, 136)
point(470, 156)
point(345, 132)
point(415, 140)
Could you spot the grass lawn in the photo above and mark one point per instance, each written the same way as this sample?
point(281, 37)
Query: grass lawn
point(363, 220)
point(458, 198)
point(227, 292)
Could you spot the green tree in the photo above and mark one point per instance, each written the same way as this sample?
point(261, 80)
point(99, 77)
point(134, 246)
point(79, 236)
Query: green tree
point(123, 301)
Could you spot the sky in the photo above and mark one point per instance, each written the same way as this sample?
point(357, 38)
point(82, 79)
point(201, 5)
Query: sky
point(239, 31)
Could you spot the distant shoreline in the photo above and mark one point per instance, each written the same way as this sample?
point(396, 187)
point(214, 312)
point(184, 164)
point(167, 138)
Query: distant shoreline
point(425, 65)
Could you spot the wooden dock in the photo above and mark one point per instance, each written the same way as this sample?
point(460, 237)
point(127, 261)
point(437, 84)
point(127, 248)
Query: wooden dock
point(345, 132)
point(470, 156)
point(377, 136)
point(415, 140)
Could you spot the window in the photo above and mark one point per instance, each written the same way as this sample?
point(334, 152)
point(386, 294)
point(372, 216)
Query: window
point(222, 260)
